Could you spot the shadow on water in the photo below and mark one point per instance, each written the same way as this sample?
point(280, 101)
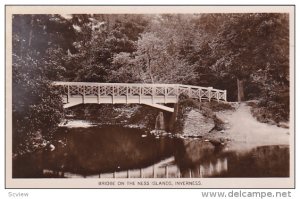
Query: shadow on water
point(263, 161)
point(124, 152)
point(203, 159)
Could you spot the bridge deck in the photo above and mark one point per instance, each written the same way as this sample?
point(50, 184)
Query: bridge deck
point(75, 93)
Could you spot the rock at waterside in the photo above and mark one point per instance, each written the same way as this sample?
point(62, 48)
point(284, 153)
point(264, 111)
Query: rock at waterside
point(197, 124)
point(216, 143)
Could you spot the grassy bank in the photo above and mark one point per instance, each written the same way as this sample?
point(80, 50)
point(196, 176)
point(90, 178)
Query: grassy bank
point(274, 116)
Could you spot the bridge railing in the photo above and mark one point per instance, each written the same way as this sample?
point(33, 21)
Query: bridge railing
point(134, 89)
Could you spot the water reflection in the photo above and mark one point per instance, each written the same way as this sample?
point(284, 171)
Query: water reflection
point(263, 161)
point(116, 152)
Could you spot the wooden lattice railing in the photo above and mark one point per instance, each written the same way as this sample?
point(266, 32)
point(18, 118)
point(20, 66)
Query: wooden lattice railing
point(134, 90)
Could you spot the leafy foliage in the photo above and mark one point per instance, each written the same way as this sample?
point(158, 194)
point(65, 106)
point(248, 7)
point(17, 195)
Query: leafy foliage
point(36, 105)
point(200, 49)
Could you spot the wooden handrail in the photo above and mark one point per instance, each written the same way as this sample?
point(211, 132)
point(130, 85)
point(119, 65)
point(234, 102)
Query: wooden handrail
point(133, 84)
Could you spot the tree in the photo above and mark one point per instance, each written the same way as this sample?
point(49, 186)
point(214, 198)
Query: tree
point(126, 69)
point(247, 43)
point(158, 63)
point(100, 37)
point(149, 55)
point(36, 105)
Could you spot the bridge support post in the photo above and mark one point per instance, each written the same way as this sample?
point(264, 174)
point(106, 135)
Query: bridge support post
point(113, 94)
point(165, 95)
point(209, 93)
point(153, 94)
point(83, 96)
point(189, 91)
point(98, 96)
point(68, 95)
point(140, 93)
point(126, 94)
point(177, 93)
point(199, 95)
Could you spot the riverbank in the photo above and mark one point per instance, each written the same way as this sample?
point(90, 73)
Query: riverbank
point(230, 124)
point(244, 131)
point(88, 146)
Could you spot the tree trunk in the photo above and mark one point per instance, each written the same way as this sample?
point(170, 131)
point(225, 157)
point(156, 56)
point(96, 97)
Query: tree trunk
point(240, 86)
point(150, 70)
point(151, 76)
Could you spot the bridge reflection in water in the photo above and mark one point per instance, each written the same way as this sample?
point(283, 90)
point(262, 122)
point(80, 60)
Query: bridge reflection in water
point(117, 152)
point(165, 169)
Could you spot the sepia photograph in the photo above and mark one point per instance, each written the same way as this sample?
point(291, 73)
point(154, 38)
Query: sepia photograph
point(150, 96)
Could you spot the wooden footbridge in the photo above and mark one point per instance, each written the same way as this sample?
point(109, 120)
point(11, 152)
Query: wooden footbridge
point(74, 93)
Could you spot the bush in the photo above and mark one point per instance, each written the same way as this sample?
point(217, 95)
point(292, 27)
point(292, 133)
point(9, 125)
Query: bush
point(36, 106)
point(269, 112)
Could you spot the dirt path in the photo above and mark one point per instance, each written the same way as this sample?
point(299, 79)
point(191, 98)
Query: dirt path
point(246, 132)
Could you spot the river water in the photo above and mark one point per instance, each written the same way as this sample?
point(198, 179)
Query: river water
point(118, 152)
